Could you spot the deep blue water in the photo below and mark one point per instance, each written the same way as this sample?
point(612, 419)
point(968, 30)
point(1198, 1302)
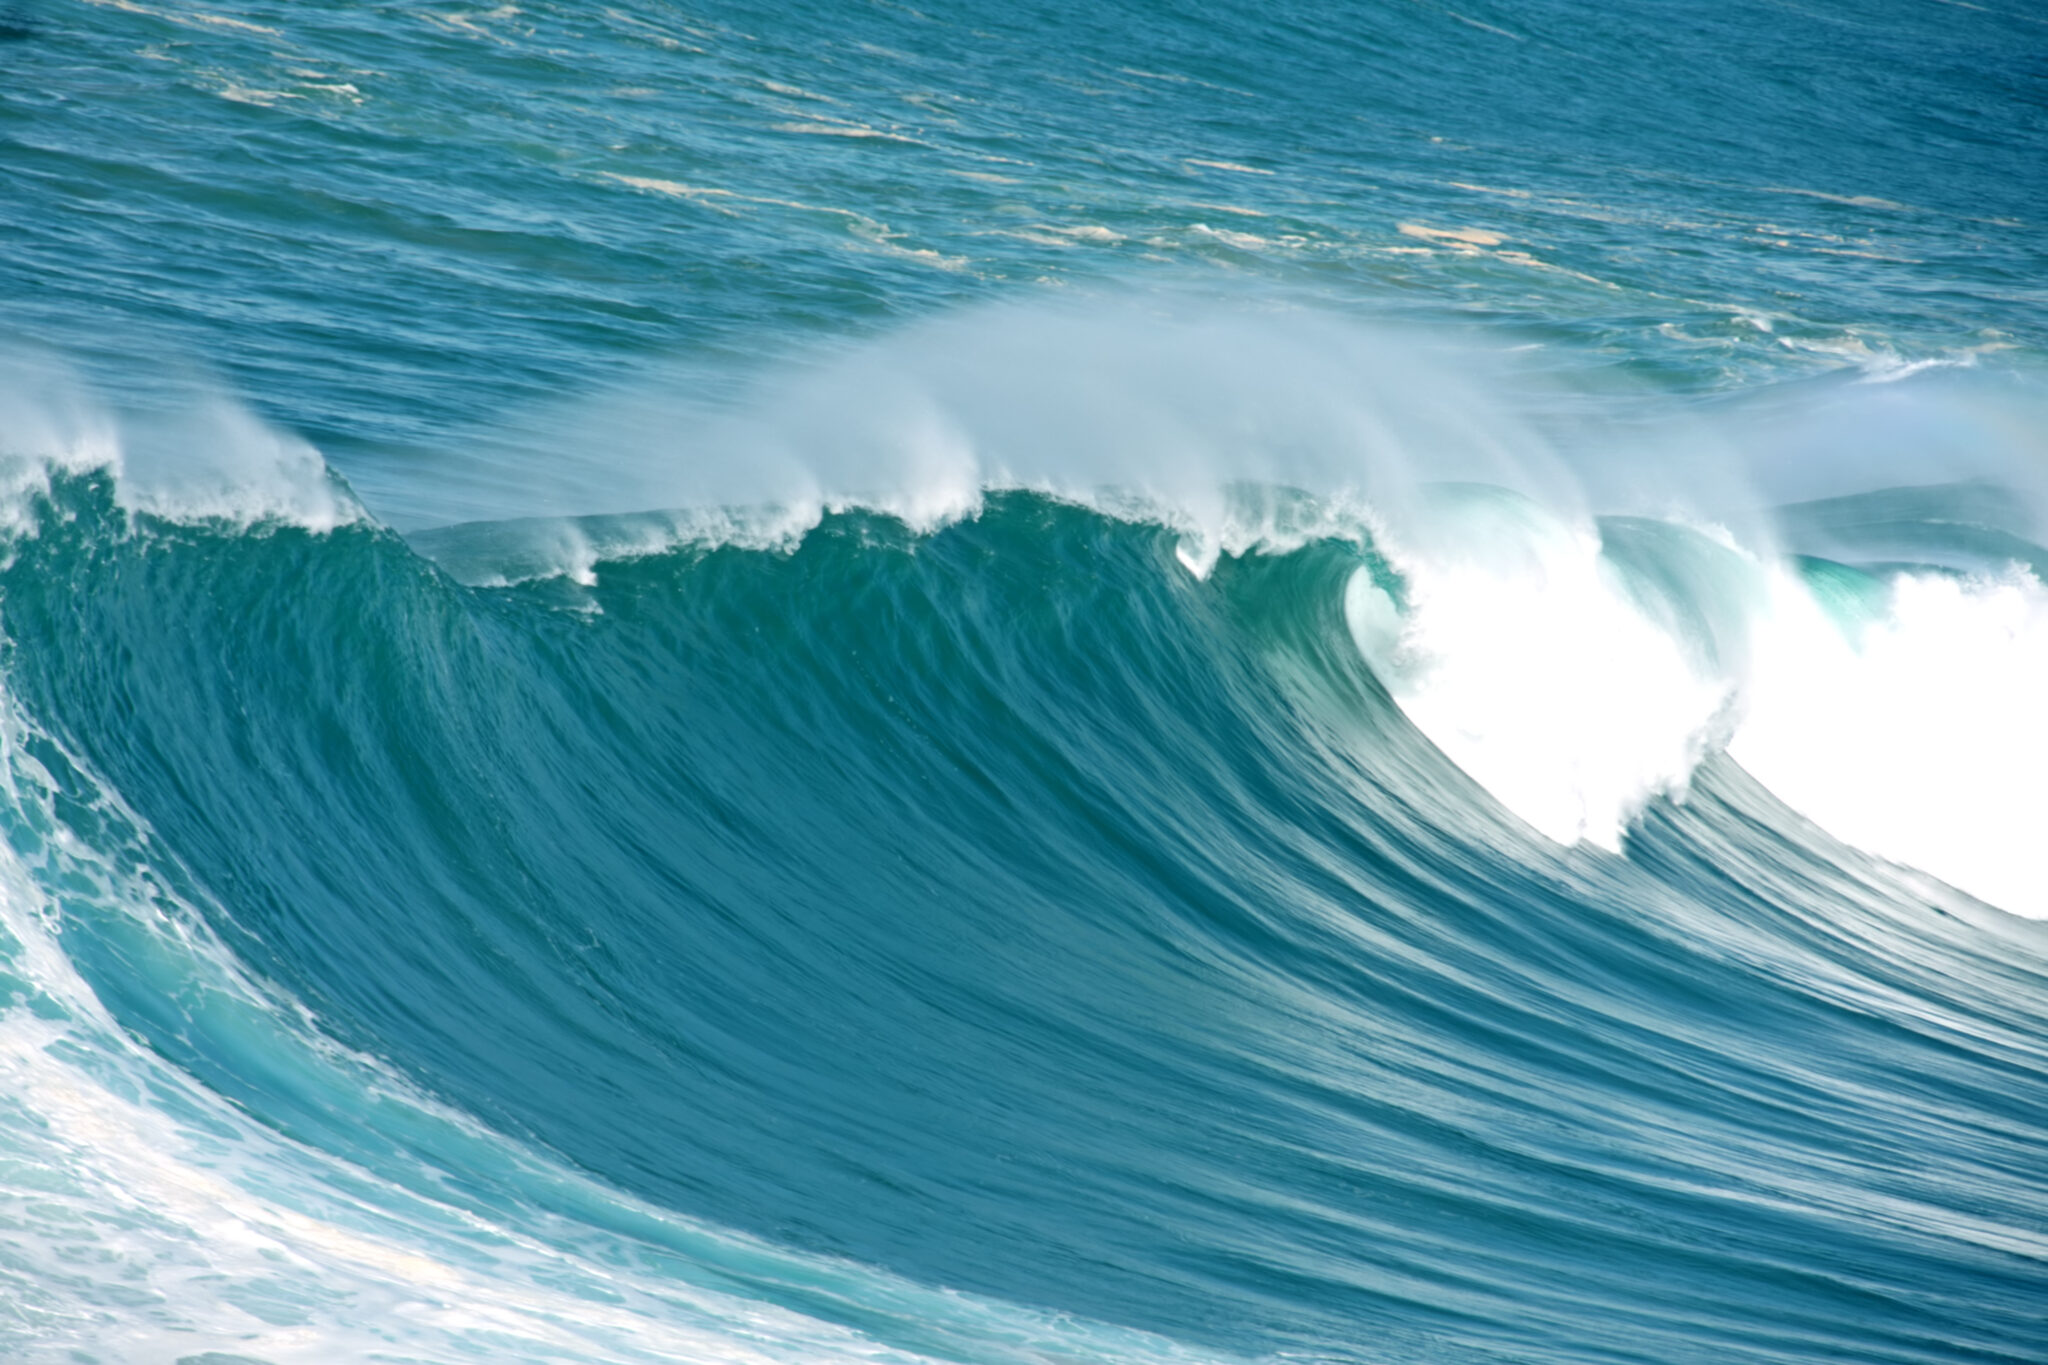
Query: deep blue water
point(1023, 684)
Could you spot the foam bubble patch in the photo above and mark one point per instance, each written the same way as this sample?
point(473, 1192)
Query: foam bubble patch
point(1917, 735)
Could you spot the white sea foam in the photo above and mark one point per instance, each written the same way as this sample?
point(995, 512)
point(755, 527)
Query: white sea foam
point(1919, 734)
point(1522, 660)
point(1164, 405)
point(1908, 725)
point(218, 461)
point(47, 425)
point(202, 458)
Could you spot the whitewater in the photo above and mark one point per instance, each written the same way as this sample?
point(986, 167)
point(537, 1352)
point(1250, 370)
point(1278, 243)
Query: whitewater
point(780, 684)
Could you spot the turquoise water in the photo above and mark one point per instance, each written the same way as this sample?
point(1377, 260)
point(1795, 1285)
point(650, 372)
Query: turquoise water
point(1023, 684)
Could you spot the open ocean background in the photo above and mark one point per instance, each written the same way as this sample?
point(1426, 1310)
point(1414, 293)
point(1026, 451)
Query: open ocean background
point(1031, 684)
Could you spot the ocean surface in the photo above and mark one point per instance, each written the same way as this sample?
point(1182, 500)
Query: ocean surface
point(1178, 683)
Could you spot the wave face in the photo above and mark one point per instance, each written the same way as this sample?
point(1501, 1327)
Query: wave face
point(1003, 906)
point(1039, 684)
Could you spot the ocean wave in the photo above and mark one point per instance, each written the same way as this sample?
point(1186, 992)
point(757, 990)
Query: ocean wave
point(1374, 913)
point(1354, 688)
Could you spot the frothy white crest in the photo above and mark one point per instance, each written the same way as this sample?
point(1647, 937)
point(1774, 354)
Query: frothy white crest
point(500, 554)
point(1920, 736)
point(1166, 415)
point(220, 462)
point(47, 424)
point(209, 459)
point(1913, 732)
point(1164, 406)
point(1908, 724)
point(1524, 662)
